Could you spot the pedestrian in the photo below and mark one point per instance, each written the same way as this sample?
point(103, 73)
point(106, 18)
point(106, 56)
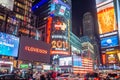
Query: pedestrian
point(42, 77)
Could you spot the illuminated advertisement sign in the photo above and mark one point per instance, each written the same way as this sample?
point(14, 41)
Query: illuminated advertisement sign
point(118, 54)
point(109, 34)
point(7, 3)
point(35, 50)
point(62, 3)
point(106, 18)
point(59, 36)
point(9, 45)
point(111, 41)
point(60, 8)
point(77, 61)
point(100, 2)
point(103, 58)
point(87, 65)
point(66, 61)
point(46, 67)
point(111, 58)
point(24, 66)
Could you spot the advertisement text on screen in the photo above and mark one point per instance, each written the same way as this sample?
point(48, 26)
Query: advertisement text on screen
point(108, 34)
point(36, 50)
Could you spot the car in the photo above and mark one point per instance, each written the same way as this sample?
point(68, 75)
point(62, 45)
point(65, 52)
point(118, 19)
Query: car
point(67, 77)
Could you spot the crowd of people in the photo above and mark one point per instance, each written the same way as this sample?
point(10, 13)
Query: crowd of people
point(102, 76)
point(51, 75)
point(31, 75)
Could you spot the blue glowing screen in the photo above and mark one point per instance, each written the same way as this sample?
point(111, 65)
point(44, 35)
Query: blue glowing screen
point(9, 45)
point(77, 61)
point(109, 41)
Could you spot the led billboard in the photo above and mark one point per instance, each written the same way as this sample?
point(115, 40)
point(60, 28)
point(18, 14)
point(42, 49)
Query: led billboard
point(106, 18)
point(9, 45)
point(59, 36)
point(24, 66)
point(34, 50)
point(111, 41)
point(77, 61)
point(65, 61)
point(111, 58)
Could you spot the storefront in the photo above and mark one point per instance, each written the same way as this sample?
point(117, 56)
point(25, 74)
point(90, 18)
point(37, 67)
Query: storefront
point(6, 66)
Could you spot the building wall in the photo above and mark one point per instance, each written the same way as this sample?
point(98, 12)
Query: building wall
point(19, 21)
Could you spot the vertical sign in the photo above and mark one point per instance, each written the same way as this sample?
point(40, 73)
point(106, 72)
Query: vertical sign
point(59, 36)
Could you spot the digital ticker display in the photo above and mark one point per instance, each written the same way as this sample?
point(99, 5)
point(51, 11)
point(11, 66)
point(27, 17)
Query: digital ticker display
point(100, 1)
point(9, 45)
point(111, 41)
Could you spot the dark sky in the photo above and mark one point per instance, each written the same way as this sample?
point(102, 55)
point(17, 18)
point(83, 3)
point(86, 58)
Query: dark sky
point(79, 7)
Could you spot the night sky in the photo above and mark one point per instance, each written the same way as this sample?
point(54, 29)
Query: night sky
point(79, 7)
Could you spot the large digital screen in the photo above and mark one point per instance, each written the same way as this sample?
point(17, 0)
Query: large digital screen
point(7, 3)
point(34, 50)
point(77, 61)
point(66, 61)
point(59, 36)
point(111, 41)
point(9, 45)
point(106, 18)
point(111, 58)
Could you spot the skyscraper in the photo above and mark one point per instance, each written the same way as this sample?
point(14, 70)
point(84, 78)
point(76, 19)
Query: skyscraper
point(54, 20)
point(17, 18)
point(84, 21)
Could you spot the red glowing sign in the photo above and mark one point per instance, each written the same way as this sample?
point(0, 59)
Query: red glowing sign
point(48, 29)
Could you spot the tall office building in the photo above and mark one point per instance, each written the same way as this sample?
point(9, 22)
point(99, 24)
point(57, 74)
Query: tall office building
point(84, 21)
point(16, 18)
point(41, 8)
point(54, 20)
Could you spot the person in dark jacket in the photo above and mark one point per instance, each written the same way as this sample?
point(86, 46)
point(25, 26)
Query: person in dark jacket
point(48, 76)
point(42, 77)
